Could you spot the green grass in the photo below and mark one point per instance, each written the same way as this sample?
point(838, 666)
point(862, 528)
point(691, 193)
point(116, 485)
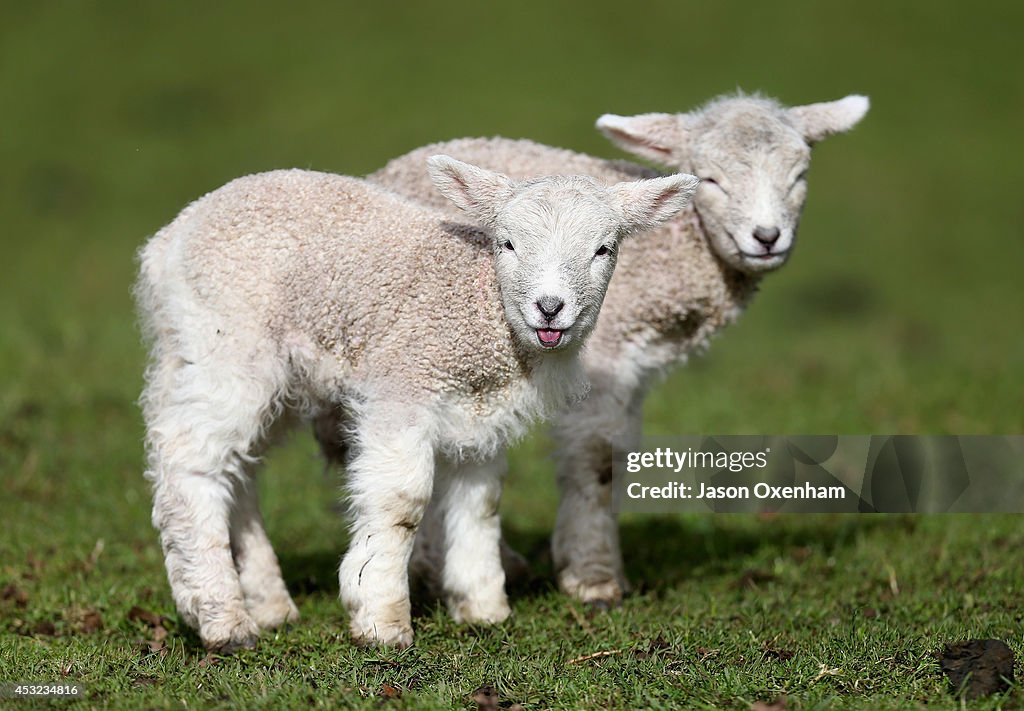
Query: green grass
point(900, 313)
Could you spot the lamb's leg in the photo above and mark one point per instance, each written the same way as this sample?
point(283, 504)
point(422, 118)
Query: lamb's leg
point(514, 563)
point(201, 426)
point(585, 544)
point(389, 479)
point(473, 580)
point(427, 564)
point(266, 597)
point(330, 428)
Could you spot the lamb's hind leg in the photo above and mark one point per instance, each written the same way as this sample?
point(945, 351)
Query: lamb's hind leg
point(266, 597)
point(390, 478)
point(201, 427)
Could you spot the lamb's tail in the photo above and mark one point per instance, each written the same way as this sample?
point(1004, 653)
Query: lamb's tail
point(152, 259)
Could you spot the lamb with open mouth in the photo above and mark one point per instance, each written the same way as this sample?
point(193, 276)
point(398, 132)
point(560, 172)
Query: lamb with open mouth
point(672, 291)
point(549, 337)
point(255, 302)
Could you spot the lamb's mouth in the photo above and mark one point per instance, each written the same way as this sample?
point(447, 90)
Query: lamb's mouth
point(766, 256)
point(762, 260)
point(549, 337)
point(758, 259)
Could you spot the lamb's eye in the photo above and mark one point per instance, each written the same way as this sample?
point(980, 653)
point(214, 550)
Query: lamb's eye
point(602, 250)
point(507, 246)
point(711, 183)
point(799, 180)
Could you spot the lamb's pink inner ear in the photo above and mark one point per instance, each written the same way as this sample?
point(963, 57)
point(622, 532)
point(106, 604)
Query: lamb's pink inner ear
point(460, 184)
point(477, 191)
point(648, 203)
point(621, 136)
point(656, 137)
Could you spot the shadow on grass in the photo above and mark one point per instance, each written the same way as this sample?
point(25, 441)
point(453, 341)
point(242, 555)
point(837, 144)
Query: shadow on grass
point(659, 552)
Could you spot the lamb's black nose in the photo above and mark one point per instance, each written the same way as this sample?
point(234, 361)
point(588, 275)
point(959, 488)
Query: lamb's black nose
point(766, 235)
point(550, 306)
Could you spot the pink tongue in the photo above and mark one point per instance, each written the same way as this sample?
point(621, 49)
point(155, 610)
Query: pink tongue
point(548, 336)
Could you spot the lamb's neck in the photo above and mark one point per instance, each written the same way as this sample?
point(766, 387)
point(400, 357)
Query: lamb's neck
point(670, 294)
point(713, 292)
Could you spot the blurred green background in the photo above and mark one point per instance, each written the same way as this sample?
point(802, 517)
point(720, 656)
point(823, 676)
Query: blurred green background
point(900, 312)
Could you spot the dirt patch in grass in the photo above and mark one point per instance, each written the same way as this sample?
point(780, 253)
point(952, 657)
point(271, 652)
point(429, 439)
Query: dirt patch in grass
point(977, 667)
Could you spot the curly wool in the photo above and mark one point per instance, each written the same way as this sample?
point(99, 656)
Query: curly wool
point(670, 293)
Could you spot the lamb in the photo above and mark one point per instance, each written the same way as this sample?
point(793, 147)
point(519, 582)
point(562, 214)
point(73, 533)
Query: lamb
point(673, 290)
point(430, 343)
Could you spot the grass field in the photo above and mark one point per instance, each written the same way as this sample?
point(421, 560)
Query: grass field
point(901, 312)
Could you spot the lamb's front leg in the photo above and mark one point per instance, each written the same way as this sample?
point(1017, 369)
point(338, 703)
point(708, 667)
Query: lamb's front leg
point(390, 480)
point(585, 544)
point(467, 500)
point(427, 564)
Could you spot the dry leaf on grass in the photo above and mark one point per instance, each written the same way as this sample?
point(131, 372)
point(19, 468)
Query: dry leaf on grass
point(151, 646)
point(88, 621)
point(486, 698)
point(150, 618)
point(390, 692)
point(771, 651)
point(12, 593)
point(155, 622)
point(44, 629)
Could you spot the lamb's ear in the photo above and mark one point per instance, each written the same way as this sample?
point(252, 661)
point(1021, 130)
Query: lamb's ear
point(647, 203)
point(656, 137)
point(477, 191)
point(818, 121)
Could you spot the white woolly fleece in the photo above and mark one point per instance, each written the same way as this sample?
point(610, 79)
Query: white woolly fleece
point(322, 295)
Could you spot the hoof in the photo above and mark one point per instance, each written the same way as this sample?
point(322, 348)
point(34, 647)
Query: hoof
point(396, 638)
point(381, 630)
point(232, 646)
point(479, 612)
point(598, 594)
point(272, 614)
point(228, 639)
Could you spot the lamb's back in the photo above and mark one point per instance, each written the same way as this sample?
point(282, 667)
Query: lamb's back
point(333, 267)
point(520, 159)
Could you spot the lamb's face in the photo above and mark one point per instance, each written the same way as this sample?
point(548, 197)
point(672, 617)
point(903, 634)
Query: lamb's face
point(555, 240)
point(752, 156)
point(555, 249)
point(753, 169)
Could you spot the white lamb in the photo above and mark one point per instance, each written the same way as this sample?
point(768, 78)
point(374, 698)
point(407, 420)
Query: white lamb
point(430, 342)
point(672, 291)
